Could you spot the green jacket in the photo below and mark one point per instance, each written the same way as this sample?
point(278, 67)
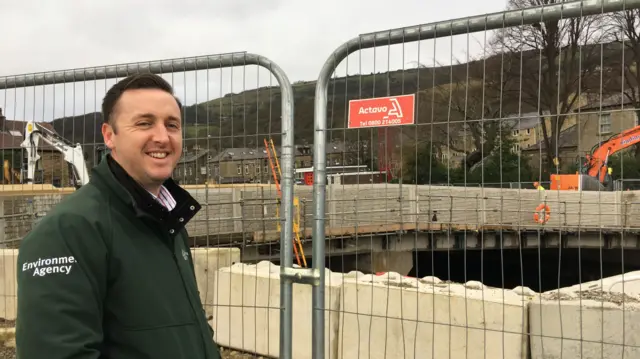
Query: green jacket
point(108, 274)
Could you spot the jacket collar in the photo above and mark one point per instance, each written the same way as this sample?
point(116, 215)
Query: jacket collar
point(111, 175)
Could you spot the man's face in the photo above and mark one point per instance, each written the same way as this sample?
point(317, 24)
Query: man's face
point(147, 141)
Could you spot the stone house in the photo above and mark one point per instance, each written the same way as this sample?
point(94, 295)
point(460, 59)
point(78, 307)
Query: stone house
point(591, 124)
point(192, 167)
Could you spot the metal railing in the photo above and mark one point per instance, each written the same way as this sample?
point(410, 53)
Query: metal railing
point(519, 17)
point(431, 211)
point(69, 96)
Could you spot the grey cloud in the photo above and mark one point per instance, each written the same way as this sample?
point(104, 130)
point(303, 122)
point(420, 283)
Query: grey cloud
point(299, 35)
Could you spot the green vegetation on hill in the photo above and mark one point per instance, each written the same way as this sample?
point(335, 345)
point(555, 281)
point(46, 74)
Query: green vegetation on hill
point(450, 100)
point(247, 117)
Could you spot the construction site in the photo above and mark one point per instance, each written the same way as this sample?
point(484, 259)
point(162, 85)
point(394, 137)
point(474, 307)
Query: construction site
point(425, 236)
point(486, 208)
point(515, 254)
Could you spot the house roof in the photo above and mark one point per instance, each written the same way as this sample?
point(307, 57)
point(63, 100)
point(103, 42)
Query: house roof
point(337, 146)
point(567, 138)
point(12, 133)
point(245, 153)
point(192, 156)
point(619, 99)
point(514, 121)
point(241, 154)
point(524, 121)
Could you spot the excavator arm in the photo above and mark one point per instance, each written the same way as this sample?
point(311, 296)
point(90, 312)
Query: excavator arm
point(597, 162)
point(594, 175)
point(72, 154)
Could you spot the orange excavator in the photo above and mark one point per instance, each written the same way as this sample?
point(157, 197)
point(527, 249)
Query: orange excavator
point(595, 174)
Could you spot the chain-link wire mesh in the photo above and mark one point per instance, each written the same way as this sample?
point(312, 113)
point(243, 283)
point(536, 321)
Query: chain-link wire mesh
point(469, 184)
point(232, 105)
point(484, 223)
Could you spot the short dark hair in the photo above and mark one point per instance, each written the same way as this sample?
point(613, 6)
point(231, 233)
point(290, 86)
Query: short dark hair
point(133, 82)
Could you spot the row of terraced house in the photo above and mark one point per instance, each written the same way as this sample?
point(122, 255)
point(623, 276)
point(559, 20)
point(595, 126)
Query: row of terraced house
point(583, 129)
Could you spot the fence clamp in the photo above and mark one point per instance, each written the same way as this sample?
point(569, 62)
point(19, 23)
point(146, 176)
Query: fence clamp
point(301, 275)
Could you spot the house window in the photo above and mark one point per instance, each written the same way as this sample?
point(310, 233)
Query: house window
point(246, 169)
point(257, 170)
point(515, 132)
point(528, 131)
point(605, 123)
point(239, 169)
point(515, 148)
point(190, 171)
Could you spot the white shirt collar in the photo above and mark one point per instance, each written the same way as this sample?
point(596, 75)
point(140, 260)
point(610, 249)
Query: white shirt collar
point(165, 198)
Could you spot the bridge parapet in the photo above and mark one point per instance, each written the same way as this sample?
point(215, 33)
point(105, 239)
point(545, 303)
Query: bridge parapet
point(249, 211)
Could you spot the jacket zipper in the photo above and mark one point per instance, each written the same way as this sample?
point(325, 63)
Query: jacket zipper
point(171, 245)
point(190, 298)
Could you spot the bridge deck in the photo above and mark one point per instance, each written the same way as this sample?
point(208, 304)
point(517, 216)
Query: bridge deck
point(378, 229)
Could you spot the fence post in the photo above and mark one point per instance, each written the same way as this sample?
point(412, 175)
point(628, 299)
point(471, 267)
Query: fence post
point(286, 235)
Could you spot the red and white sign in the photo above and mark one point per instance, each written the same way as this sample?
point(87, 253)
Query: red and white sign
point(382, 111)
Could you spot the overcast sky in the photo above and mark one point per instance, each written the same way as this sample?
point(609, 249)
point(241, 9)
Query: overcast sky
point(299, 35)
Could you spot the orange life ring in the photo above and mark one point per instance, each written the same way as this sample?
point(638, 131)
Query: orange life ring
point(547, 213)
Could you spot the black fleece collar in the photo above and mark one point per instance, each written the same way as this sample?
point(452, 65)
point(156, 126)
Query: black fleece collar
point(141, 200)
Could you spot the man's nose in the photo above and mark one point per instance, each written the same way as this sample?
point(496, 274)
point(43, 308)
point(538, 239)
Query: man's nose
point(160, 133)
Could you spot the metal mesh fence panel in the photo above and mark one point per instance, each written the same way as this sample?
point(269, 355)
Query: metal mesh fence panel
point(464, 181)
point(234, 105)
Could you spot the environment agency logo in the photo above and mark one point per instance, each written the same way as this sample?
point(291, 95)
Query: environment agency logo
point(46, 266)
point(185, 254)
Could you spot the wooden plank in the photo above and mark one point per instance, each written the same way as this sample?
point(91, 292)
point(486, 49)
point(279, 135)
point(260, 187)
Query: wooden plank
point(32, 189)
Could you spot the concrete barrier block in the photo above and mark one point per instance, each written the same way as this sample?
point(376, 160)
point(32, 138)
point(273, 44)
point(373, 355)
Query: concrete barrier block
point(206, 261)
point(590, 320)
point(8, 284)
point(392, 316)
point(246, 316)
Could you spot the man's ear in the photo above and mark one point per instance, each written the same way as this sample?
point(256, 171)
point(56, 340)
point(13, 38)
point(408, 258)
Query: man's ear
point(107, 135)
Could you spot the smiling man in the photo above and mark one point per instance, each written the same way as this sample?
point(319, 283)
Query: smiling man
point(107, 273)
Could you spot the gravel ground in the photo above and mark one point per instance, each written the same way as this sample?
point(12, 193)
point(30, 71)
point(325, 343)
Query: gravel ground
point(7, 353)
point(10, 353)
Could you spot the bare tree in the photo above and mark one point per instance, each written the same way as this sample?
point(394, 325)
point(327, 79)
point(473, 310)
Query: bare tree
point(623, 66)
point(475, 105)
point(553, 61)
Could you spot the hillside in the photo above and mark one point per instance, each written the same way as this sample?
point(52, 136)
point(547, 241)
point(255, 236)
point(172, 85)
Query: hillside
point(244, 119)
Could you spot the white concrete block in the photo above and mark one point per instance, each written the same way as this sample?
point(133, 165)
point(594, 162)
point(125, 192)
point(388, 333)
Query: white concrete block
point(589, 320)
point(206, 261)
point(246, 316)
point(394, 317)
point(8, 284)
